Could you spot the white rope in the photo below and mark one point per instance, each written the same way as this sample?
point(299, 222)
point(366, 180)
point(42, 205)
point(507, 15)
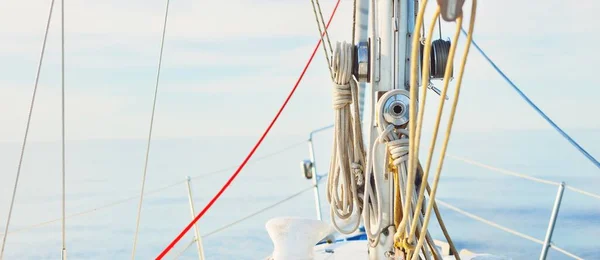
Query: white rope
point(62, 54)
point(397, 142)
point(565, 252)
point(35, 86)
point(257, 212)
point(503, 171)
point(398, 148)
point(488, 222)
point(348, 157)
point(371, 207)
point(503, 228)
point(372, 213)
point(580, 191)
point(184, 249)
point(139, 211)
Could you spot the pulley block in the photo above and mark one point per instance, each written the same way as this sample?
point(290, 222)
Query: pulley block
point(450, 9)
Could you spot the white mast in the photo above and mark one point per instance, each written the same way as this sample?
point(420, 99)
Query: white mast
point(391, 27)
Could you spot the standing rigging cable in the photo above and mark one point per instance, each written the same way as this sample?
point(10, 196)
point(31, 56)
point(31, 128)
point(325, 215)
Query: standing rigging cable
point(35, 87)
point(536, 108)
point(139, 211)
point(323, 32)
point(62, 63)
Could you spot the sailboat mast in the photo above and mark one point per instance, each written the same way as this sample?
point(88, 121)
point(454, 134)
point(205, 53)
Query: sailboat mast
point(391, 25)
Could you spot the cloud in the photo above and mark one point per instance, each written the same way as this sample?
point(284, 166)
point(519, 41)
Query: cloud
point(187, 18)
point(213, 50)
point(527, 18)
point(138, 21)
point(249, 54)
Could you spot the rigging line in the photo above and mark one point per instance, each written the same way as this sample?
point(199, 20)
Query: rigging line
point(139, 211)
point(421, 112)
point(488, 222)
point(88, 211)
point(503, 171)
point(580, 191)
point(523, 176)
point(503, 228)
point(324, 27)
point(62, 54)
point(439, 25)
point(35, 87)
point(246, 218)
point(321, 33)
point(451, 117)
point(536, 108)
point(258, 143)
point(438, 216)
point(115, 203)
point(184, 249)
point(256, 159)
point(565, 252)
point(258, 211)
point(354, 23)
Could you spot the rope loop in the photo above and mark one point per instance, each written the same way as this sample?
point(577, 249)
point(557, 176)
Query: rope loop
point(342, 96)
point(358, 171)
point(348, 156)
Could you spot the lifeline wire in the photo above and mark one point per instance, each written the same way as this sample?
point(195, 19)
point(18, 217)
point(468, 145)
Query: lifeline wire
point(115, 203)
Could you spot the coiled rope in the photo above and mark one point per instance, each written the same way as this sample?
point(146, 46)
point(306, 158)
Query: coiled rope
point(346, 166)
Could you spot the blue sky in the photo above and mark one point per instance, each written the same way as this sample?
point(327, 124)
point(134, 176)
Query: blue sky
point(227, 67)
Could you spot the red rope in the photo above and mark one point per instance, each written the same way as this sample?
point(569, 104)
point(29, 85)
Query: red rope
point(239, 169)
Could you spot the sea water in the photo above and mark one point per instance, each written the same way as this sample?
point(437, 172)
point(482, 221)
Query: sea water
point(101, 172)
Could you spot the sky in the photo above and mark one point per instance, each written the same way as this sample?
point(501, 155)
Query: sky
point(227, 67)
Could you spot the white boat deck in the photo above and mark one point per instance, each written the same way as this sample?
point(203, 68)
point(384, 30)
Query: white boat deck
point(342, 250)
point(358, 250)
point(293, 239)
